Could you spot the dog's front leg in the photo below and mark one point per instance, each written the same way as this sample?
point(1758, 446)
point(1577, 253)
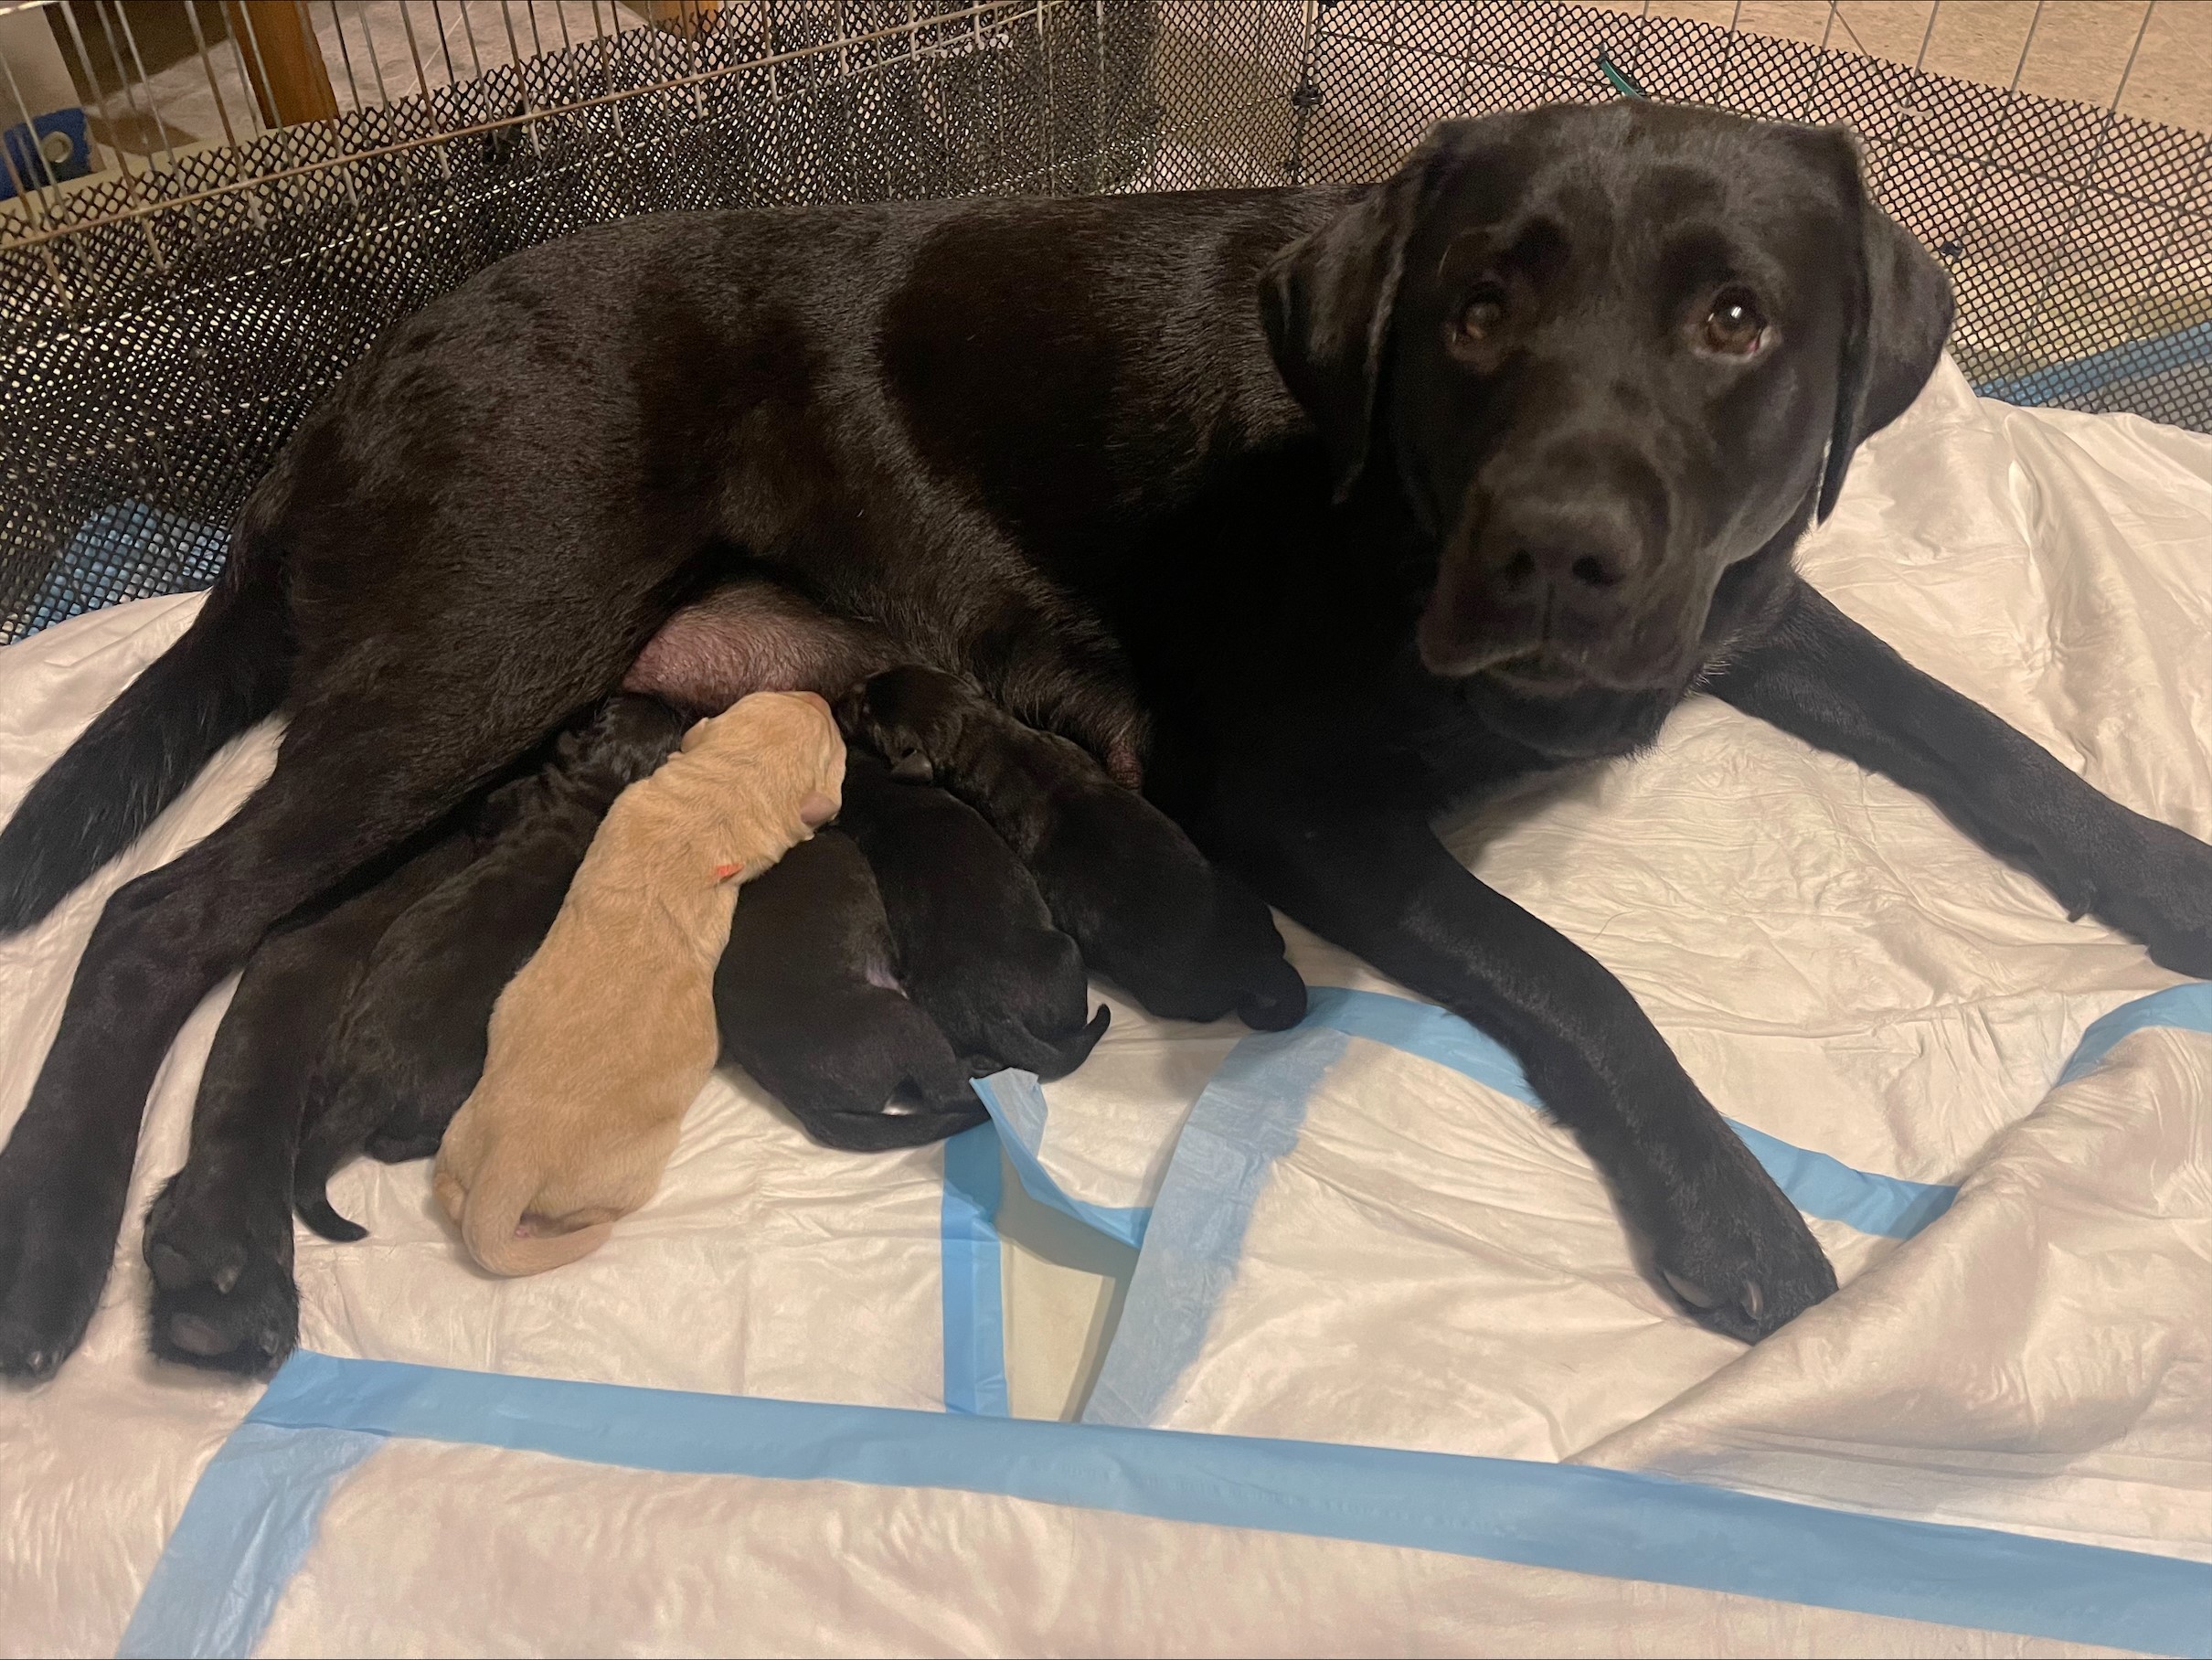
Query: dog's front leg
point(1822, 677)
point(1721, 1234)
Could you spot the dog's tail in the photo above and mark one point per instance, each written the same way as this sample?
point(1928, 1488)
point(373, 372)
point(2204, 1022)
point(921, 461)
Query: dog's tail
point(491, 1215)
point(228, 671)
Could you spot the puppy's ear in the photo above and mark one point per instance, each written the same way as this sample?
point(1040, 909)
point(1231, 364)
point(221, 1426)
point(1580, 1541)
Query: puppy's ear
point(913, 768)
point(1326, 302)
point(1899, 315)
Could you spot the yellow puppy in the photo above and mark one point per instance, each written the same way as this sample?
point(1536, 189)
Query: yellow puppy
point(601, 1041)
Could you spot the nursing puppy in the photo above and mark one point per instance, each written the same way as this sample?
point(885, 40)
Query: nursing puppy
point(1148, 908)
point(601, 1041)
point(976, 946)
point(410, 1043)
point(808, 1002)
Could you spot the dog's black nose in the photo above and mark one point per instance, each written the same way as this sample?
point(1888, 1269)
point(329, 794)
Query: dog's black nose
point(1555, 556)
point(1576, 551)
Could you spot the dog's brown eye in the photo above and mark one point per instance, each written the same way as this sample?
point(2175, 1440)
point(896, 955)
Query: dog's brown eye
point(1734, 327)
point(1482, 314)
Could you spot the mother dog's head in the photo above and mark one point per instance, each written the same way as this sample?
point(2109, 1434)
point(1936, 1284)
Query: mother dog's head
point(1609, 354)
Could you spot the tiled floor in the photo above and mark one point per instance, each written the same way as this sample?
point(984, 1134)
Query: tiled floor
point(2080, 49)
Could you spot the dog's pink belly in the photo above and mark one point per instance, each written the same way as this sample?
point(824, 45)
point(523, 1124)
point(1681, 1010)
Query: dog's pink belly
point(754, 637)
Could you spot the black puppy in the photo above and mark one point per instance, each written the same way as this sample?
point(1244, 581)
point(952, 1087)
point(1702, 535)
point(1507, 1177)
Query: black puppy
point(223, 1292)
point(976, 947)
point(1146, 907)
point(1340, 508)
point(808, 1003)
point(410, 1044)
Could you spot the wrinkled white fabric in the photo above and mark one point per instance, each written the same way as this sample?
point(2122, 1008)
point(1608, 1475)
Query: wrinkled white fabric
point(2039, 1360)
point(582, 1560)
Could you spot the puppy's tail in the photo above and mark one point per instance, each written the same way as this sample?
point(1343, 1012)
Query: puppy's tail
point(324, 1139)
point(1071, 1052)
point(494, 1226)
point(228, 671)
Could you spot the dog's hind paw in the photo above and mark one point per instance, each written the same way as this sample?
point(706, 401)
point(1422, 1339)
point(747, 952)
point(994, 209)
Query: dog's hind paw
point(223, 1291)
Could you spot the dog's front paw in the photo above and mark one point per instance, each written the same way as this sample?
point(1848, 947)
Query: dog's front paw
point(1734, 1252)
point(56, 1241)
point(223, 1291)
point(2166, 902)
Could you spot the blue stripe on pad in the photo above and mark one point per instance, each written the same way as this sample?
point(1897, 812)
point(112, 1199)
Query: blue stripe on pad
point(1816, 1184)
point(2161, 354)
point(1580, 1519)
point(244, 1532)
point(971, 1269)
point(253, 1513)
point(2186, 1008)
point(1017, 1105)
point(1245, 1119)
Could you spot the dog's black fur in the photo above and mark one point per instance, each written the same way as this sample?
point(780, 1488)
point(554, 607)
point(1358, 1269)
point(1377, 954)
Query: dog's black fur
point(1375, 497)
point(410, 1044)
point(973, 940)
point(219, 1251)
point(807, 998)
point(1149, 911)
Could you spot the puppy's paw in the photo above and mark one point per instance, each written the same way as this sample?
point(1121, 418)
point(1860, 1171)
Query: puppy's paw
point(1735, 1254)
point(223, 1291)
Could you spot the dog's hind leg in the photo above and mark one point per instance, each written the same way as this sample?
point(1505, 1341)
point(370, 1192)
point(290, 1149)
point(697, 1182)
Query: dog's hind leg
point(218, 1237)
point(362, 767)
point(227, 671)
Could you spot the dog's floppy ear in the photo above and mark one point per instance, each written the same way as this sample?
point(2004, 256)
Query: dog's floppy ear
point(1326, 301)
point(1900, 312)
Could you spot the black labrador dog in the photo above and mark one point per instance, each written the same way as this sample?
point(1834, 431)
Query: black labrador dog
point(1330, 508)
